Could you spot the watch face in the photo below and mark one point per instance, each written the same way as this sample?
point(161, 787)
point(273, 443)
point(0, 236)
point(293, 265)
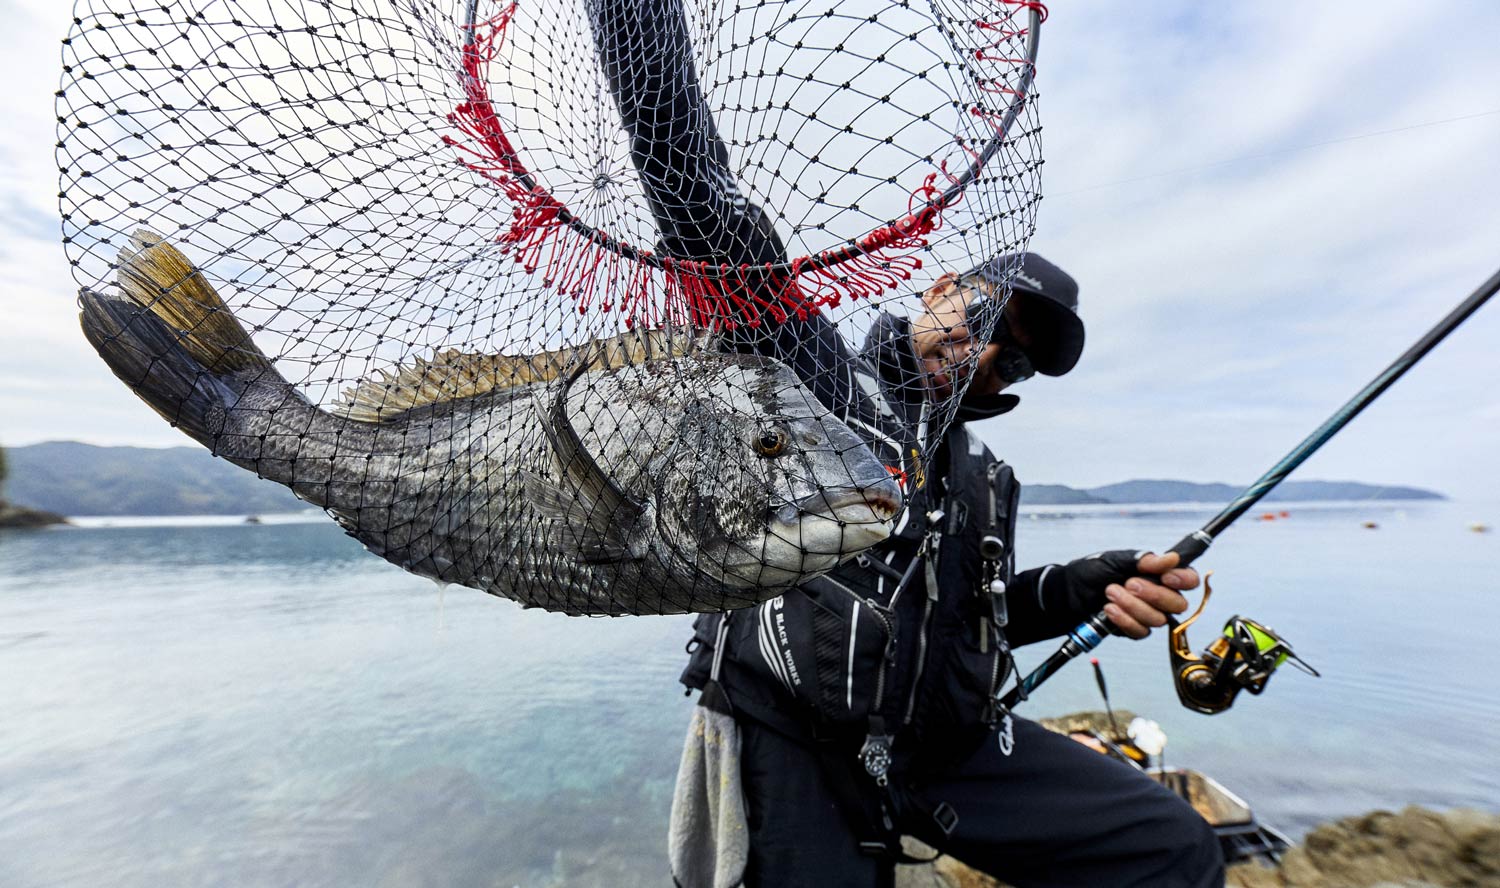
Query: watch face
point(876, 756)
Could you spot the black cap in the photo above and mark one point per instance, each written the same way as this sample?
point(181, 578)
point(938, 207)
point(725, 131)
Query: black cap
point(1048, 308)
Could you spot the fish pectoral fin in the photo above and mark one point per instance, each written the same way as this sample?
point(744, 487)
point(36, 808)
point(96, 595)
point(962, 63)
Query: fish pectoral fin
point(590, 531)
point(600, 516)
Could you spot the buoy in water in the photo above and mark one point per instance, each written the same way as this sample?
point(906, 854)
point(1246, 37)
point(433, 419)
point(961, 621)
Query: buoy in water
point(1269, 516)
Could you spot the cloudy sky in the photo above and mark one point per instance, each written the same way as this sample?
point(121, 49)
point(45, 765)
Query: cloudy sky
point(1263, 210)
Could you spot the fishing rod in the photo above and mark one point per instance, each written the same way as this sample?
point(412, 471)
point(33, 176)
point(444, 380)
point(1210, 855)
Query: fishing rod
point(1245, 655)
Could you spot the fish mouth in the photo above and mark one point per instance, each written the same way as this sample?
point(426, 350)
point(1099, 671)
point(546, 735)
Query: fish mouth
point(874, 503)
point(813, 535)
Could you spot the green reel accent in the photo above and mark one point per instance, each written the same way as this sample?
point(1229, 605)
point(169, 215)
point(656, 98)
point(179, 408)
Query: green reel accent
point(1243, 658)
point(1266, 640)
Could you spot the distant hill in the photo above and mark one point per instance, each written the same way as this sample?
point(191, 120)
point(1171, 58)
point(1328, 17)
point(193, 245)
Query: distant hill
point(1162, 491)
point(81, 479)
point(1057, 495)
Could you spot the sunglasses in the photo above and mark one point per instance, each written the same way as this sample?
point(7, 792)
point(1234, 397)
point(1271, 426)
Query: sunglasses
point(1012, 364)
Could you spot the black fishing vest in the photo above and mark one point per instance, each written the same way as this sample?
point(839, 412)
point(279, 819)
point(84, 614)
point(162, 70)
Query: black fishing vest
point(901, 651)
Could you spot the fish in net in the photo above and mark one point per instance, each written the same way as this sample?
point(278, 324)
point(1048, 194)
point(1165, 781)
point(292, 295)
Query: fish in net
point(585, 303)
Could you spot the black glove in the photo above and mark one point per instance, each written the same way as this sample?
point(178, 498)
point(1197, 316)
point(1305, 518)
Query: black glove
point(1079, 588)
point(1047, 601)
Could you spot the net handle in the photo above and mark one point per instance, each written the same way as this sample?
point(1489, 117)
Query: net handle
point(876, 239)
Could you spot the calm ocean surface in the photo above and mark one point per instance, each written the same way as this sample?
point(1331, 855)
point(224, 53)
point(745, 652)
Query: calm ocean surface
point(228, 704)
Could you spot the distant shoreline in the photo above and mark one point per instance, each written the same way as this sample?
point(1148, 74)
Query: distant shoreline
point(1040, 511)
point(93, 522)
point(21, 518)
point(70, 478)
point(1275, 507)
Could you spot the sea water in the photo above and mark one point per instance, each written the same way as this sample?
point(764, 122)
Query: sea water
point(191, 702)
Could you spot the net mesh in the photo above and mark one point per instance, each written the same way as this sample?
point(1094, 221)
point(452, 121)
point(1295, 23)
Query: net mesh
point(572, 301)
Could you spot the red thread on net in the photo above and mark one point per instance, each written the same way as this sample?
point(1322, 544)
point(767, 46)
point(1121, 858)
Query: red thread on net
point(542, 236)
point(1004, 32)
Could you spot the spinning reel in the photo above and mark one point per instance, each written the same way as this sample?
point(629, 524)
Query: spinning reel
point(1242, 659)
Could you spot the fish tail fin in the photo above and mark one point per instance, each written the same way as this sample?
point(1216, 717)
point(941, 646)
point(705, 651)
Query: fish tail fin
point(155, 275)
point(170, 337)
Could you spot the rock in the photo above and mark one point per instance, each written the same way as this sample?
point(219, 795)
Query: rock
point(944, 872)
point(1253, 875)
point(18, 516)
point(1092, 721)
point(1417, 848)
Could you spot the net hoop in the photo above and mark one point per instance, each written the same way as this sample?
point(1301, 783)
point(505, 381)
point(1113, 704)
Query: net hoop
point(721, 294)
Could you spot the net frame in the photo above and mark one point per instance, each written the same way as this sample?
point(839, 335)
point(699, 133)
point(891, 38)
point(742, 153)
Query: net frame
point(709, 294)
point(335, 307)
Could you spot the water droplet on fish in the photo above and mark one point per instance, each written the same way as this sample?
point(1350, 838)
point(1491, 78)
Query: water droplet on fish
point(442, 585)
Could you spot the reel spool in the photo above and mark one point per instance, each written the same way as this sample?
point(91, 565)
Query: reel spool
point(1243, 658)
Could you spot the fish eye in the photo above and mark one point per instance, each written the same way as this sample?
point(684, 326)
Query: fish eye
point(769, 442)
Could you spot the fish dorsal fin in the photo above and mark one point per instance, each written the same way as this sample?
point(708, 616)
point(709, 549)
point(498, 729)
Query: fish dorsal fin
point(453, 375)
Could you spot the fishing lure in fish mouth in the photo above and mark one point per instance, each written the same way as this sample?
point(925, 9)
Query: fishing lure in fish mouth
point(646, 473)
point(1242, 658)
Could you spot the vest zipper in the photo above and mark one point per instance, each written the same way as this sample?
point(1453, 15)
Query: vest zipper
point(930, 554)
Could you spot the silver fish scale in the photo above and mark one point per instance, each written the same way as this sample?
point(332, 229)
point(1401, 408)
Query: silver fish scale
point(447, 491)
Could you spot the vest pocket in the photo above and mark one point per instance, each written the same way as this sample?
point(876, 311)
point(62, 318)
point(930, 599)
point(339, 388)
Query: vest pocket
point(824, 646)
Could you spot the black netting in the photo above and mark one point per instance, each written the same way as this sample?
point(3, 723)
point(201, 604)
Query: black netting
point(568, 300)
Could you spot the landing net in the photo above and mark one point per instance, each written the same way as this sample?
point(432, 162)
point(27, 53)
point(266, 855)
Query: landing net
point(566, 300)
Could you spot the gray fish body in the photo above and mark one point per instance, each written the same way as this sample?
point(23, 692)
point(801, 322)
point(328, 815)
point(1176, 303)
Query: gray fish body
point(697, 481)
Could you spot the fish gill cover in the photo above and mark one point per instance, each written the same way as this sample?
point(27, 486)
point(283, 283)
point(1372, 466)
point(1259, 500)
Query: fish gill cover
point(565, 300)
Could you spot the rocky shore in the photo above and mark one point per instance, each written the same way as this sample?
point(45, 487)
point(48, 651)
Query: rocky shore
point(1416, 848)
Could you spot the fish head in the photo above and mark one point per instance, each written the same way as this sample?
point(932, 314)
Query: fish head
point(766, 485)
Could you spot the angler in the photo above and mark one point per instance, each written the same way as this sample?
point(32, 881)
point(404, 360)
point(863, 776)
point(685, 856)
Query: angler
point(864, 704)
point(895, 727)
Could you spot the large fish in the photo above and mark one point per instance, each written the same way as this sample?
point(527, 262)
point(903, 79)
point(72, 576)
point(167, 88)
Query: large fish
point(649, 473)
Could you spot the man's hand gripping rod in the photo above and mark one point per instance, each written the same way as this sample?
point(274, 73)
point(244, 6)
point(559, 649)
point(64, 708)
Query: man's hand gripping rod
point(1092, 632)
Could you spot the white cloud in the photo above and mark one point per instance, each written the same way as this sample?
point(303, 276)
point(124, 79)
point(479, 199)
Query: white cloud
point(1231, 306)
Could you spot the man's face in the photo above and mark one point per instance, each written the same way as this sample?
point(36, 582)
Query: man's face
point(945, 346)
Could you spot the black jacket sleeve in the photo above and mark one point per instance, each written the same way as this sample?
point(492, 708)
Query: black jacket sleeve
point(647, 58)
point(1047, 601)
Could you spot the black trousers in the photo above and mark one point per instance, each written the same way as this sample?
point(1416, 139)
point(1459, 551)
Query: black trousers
point(1050, 812)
